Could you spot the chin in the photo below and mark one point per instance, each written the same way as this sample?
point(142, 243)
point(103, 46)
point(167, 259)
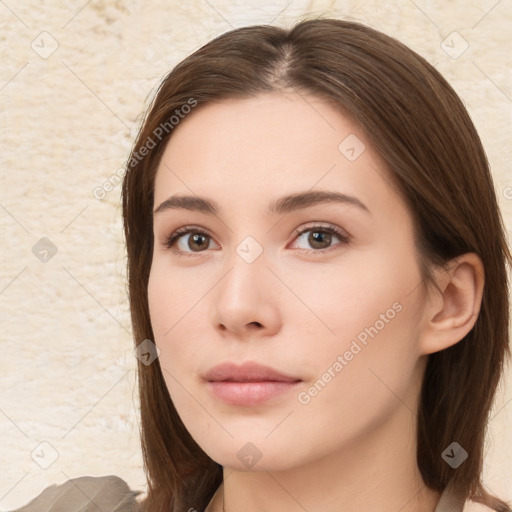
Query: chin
point(254, 453)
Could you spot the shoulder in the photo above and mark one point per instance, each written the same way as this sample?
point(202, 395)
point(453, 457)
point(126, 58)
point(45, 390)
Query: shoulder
point(450, 500)
point(86, 494)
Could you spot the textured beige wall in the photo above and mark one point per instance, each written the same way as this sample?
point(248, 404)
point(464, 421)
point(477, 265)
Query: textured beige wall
point(73, 82)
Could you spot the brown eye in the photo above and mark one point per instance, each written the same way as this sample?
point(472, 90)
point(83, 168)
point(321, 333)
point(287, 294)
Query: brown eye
point(320, 238)
point(195, 243)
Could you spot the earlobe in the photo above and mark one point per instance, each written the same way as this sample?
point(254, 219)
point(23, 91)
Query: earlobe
point(452, 311)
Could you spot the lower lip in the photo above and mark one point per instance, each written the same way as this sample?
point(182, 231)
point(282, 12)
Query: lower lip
point(249, 393)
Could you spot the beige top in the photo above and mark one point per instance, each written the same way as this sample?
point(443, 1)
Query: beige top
point(112, 494)
point(85, 494)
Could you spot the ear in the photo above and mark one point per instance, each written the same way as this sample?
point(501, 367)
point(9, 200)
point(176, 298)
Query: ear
point(452, 312)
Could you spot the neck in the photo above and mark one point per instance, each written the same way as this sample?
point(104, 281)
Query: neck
point(377, 471)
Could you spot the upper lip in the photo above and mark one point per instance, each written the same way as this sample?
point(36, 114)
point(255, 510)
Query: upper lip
point(247, 372)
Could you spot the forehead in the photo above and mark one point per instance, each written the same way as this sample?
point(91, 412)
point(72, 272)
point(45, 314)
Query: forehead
point(265, 146)
point(267, 122)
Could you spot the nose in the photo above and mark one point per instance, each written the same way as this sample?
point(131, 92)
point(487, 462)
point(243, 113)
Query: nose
point(246, 300)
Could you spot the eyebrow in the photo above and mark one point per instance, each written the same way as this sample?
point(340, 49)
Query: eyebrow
point(283, 205)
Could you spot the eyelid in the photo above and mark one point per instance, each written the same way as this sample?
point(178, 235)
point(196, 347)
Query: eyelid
point(344, 237)
point(170, 241)
point(319, 226)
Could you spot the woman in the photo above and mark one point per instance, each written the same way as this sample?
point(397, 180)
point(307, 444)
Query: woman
point(317, 278)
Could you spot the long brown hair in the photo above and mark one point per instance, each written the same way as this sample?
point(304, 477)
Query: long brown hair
point(422, 130)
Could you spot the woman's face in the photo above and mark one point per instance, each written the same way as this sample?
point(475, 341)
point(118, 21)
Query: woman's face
point(325, 292)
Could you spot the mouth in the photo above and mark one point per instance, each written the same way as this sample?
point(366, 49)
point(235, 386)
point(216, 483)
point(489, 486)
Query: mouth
point(249, 384)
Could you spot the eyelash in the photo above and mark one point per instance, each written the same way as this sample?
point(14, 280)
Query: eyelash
point(332, 230)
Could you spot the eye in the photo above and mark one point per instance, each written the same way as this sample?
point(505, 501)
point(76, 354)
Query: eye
point(200, 240)
point(320, 237)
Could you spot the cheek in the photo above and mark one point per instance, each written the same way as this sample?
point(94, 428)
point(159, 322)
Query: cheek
point(180, 352)
point(361, 340)
point(172, 295)
point(176, 306)
point(365, 294)
point(165, 313)
point(358, 384)
point(160, 303)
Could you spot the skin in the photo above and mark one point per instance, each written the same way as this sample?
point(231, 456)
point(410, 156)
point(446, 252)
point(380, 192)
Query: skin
point(352, 447)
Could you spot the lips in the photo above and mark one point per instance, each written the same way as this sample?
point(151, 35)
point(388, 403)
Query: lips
point(247, 372)
point(248, 385)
